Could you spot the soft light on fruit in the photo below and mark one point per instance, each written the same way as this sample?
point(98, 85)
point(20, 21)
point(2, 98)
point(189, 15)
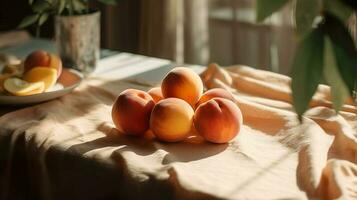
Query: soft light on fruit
point(131, 111)
point(215, 92)
point(182, 83)
point(43, 59)
point(56, 63)
point(171, 120)
point(156, 94)
point(45, 74)
point(20, 87)
point(218, 120)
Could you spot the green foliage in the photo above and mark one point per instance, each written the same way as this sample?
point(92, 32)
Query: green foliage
point(42, 9)
point(28, 20)
point(326, 50)
point(306, 11)
point(339, 9)
point(109, 2)
point(344, 50)
point(307, 69)
point(42, 19)
point(333, 77)
point(265, 8)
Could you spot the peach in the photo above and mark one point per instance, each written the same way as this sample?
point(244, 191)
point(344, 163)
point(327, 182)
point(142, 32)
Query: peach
point(216, 92)
point(131, 111)
point(156, 94)
point(218, 120)
point(42, 74)
point(182, 83)
point(42, 58)
point(171, 120)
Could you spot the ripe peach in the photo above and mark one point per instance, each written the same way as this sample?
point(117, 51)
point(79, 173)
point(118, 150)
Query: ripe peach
point(42, 74)
point(182, 83)
point(156, 94)
point(171, 120)
point(215, 92)
point(131, 111)
point(218, 120)
point(40, 58)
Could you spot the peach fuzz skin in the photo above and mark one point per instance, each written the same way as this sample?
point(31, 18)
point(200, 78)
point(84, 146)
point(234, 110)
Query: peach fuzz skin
point(156, 94)
point(215, 92)
point(182, 83)
point(218, 120)
point(171, 120)
point(40, 58)
point(131, 111)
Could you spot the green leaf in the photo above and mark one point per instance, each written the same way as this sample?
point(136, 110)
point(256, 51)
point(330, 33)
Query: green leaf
point(61, 5)
point(40, 6)
point(338, 32)
point(79, 6)
point(265, 8)
point(347, 66)
point(339, 91)
point(28, 20)
point(43, 18)
point(305, 13)
point(307, 70)
point(344, 49)
point(109, 2)
point(30, 2)
point(339, 9)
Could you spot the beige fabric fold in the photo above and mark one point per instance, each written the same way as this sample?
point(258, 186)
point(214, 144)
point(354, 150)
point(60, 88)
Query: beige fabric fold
point(265, 100)
point(69, 149)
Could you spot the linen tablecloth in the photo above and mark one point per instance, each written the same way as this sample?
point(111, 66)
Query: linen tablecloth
point(68, 148)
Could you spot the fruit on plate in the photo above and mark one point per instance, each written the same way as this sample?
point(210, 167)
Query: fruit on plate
point(20, 87)
point(218, 120)
point(182, 83)
point(171, 120)
point(156, 94)
point(215, 92)
point(40, 58)
point(42, 74)
point(3, 77)
point(15, 69)
point(131, 111)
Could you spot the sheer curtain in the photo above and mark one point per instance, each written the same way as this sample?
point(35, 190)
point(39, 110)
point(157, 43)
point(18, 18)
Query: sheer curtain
point(222, 31)
point(236, 38)
point(175, 29)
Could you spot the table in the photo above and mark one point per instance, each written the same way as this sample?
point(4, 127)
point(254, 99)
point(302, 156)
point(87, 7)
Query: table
point(68, 148)
point(130, 71)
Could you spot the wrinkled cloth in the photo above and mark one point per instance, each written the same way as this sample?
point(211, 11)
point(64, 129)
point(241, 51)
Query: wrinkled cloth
point(69, 149)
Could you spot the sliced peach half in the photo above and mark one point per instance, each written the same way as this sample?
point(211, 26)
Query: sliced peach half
point(56, 63)
point(20, 87)
point(44, 59)
point(45, 74)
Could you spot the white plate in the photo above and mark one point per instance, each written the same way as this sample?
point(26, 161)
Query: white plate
point(69, 78)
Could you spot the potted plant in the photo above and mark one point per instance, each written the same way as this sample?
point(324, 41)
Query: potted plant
point(77, 30)
point(326, 51)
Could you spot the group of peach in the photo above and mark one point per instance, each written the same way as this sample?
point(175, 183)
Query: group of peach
point(39, 72)
point(178, 109)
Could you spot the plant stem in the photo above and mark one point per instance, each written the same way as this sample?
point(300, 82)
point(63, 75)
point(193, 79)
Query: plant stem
point(71, 8)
